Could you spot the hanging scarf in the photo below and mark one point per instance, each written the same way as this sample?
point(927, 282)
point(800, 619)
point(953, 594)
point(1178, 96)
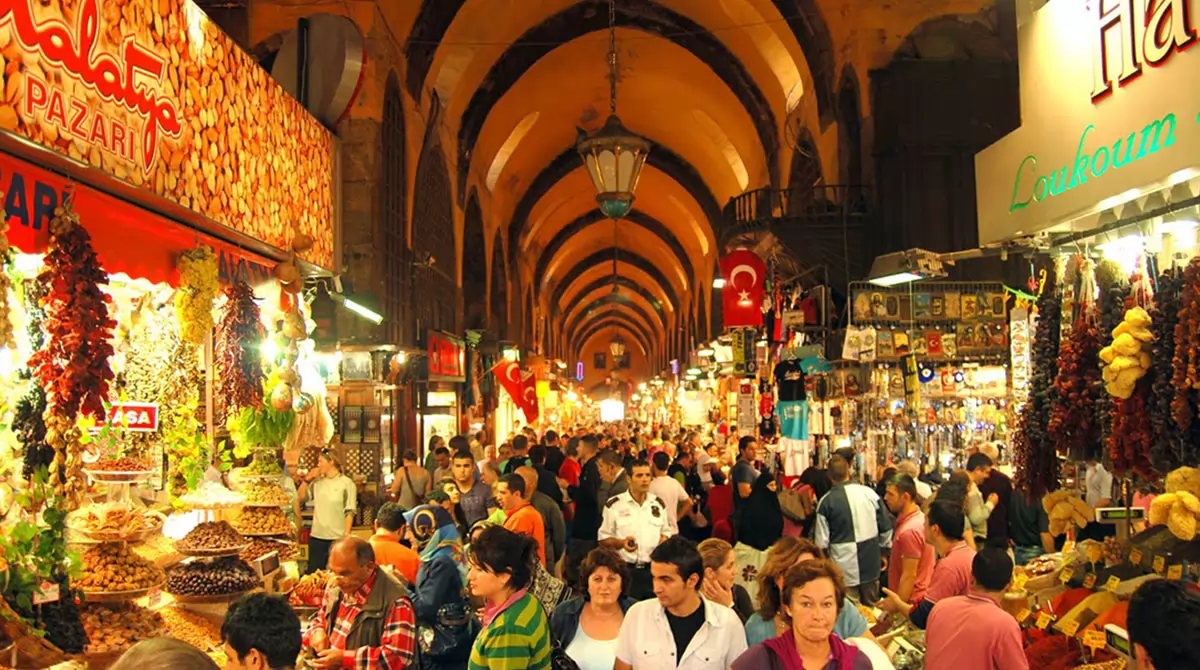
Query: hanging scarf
point(436, 536)
point(784, 647)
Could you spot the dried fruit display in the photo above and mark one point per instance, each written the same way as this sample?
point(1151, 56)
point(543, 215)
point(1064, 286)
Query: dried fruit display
point(198, 288)
point(113, 567)
point(1185, 363)
point(115, 522)
point(260, 547)
point(211, 536)
point(29, 426)
point(66, 471)
point(116, 627)
point(192, 628)
point(120, 464)
point(1132, 434)
point(263, 521)
point(223, 576)
point(1171, 445)
point(1073, 425)
point(265, 494)
point(310, 589)
point(1033, 447)
point(6, 327)
point(265, 464)
point(74, 364)
point(238, 359)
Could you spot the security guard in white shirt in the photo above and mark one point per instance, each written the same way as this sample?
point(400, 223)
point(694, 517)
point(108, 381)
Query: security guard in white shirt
point(635, 522)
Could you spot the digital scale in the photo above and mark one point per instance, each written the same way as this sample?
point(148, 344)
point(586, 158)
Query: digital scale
point(1118, 642)
point(1120, 517)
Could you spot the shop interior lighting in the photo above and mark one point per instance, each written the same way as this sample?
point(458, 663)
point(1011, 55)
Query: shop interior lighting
point(693, 372)
point(359, 309)
point(719, 282)
point(28, 265)
point(642, 387)
point(706, 351)
point(561, 365)
point(572, 396)
point(902, 267)
point(1126, 251)
point(612, 410)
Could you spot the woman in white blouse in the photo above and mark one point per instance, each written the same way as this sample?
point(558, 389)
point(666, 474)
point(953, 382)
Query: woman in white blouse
point(586, 628)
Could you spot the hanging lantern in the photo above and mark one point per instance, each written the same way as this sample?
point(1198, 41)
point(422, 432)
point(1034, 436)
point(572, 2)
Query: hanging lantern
point(617, 347)
point(614, 158)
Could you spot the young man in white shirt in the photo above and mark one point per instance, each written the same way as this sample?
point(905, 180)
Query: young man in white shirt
point(678, 629)
point(674, 496)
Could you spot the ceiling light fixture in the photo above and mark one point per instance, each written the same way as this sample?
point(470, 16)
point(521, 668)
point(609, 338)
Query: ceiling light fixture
point(613, 155)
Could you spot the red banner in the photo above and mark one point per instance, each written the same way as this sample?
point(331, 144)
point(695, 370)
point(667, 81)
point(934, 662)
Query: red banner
point(137, 417)
point(745, 276)
point(127, 238)
point(445, 357)
point(529, 404)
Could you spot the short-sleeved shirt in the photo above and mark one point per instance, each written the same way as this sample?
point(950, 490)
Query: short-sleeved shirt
point(952, 574)
point(526, 520)
point(672, 494)
point(646, 641)
point(742, 473)
point(389, 551)
point(647, 523)
point(332, 499)
point(908, 541)
point(971, 631)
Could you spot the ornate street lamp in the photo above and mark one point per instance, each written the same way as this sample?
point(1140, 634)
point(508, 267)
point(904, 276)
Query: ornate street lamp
point(613, 156)
point(617, 346)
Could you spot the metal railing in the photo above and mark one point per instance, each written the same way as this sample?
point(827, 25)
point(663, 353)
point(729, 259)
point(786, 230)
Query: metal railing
point(812, 203)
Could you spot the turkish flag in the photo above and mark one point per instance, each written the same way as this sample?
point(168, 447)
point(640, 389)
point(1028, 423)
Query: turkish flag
point(508, 373)
point(529, 405)
point(745, 275)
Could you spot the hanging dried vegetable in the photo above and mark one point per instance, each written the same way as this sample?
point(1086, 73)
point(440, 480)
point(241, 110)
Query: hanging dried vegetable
point(198, 288)
point(1073, 425)
point(1114, 292)
point(1132, 434)
point(1185, 363)
point(74, 364)
point(238, 358)
point(29, 427)
point(1033, 447)
point(35, 314)
point(1169, 446)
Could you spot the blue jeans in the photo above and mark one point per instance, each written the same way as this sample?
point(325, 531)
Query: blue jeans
point(1024, 555)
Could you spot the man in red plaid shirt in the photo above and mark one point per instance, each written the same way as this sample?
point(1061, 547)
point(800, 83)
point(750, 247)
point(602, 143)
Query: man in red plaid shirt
point(366, 620)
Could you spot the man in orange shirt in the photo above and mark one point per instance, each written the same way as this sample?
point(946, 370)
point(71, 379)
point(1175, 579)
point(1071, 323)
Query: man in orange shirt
point(522, 517)
point(389, 527)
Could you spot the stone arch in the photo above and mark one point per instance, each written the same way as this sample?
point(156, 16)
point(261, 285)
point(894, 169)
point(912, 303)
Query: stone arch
point(433, 237)
point(498, 290)
point(527, 321)
point(804, 174)
point(394, 210)
point(850, 154)
point(474, 267)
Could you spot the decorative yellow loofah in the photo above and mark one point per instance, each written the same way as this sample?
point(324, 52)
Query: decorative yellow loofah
point(198, 288)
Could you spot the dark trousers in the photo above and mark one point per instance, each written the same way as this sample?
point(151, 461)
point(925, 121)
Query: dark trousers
point(641, 582)
point(318, 555)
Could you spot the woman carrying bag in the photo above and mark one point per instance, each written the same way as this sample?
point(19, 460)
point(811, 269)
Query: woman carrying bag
point(446, 625)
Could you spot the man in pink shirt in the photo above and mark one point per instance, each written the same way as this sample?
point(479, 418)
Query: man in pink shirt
point(912, 559)
point(945, 525)
point(972, 631)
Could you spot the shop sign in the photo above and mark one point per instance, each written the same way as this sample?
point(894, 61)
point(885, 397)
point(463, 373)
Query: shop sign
point(747, 417)
point(135, 417)
point(154, 94)
point(31, 194)
point(445, 357)
point(1108, 104)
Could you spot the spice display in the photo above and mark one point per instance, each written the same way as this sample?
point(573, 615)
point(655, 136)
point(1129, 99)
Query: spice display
point(192, 628)
point(211, 536)
point(116, 627)
point(263, 521)
point(265, 494)
point(238, 360)
point(113, 566)
point(1033, 448)
point(1127, 359)
point(29, 427)
point(120, 464)
point(74, 363)
point(223, 576)
point(198, 288)
point(310, 589)
point(115, 522)
point(1065, 508)
point(211, 495)
point(260, 547)
point(1169, 448)
point(1073, 423)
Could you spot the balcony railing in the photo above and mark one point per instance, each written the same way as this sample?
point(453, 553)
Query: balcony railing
point(814, 204)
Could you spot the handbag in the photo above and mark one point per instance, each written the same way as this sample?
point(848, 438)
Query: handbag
point(794, 505)
point(452, 634)
point(559, 659)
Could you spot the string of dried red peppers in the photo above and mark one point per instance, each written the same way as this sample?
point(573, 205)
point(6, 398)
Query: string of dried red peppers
point(239, 361)
point(1074, 427)
point(73, 365)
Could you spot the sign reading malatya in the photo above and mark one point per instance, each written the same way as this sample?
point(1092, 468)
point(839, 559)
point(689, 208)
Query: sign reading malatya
point(1109, 103)
point(155, 94)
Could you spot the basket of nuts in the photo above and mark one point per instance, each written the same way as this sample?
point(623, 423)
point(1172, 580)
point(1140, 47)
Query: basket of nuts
point(217, 580)
point(212, 538)
point(263, 522)
point(111, 629)
point(114, 573)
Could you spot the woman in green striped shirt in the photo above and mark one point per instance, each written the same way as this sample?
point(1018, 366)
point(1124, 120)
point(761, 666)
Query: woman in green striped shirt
point(515, 635)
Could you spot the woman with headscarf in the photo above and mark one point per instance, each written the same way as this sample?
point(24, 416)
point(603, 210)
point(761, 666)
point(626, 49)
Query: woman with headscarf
point(759, 523)
point(438, 597)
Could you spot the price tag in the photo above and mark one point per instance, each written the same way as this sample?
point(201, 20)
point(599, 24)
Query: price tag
point(1019, 579)
point(302, 554)
point(1175, 572)
point(154, 599)
point(48, 593)
point(1044, 620)
point(1112, 583)
point(1094, 552)
point(1160, 564)
point(1095, 640)
point(1066, 574)
point(1089, 581)
point(1023, 615)
point(1135, 556)
point(1068, 548)
point(1070, 628)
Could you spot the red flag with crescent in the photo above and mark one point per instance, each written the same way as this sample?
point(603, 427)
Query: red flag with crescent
point(529, 406)
point(745, 276)
point(508, 373)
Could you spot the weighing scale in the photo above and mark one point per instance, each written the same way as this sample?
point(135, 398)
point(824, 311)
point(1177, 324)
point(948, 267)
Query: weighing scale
point(1118, 643)
point(1120, 517)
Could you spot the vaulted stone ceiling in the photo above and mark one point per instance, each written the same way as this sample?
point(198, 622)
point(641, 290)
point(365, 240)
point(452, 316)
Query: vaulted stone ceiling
point(718, 87)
